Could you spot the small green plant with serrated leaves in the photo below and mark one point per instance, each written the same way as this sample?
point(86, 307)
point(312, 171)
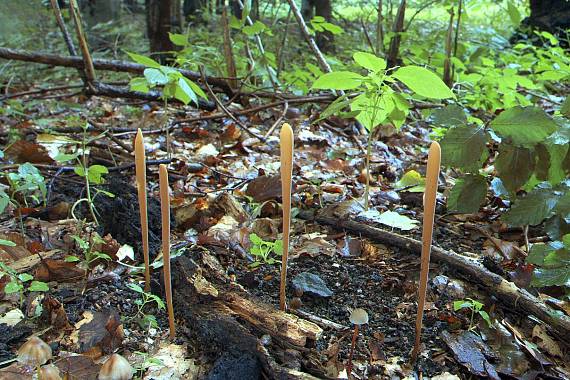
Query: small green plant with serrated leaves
point(28, 183)
point(379, 100)
point(476, 307)
point(20, 282)
point(86, 247)
point(144, 362)
point(265, 252)
point(91, 174)
point(146, 320)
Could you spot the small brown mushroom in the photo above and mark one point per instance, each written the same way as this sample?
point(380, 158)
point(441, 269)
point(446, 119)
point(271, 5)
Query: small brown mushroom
point(357, 317)
point(116, 368)
point(35, 352)
point(49, 372)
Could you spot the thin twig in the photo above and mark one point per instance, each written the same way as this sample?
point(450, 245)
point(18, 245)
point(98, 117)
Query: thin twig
point(88, 62)
point(277, 122)
point(63, 28)
point(227, 112)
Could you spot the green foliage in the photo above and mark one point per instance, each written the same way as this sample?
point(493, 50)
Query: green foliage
point(89, 254)
point(412, 181)
point(552, 262)
point(265, 252)
point(468, 193)
point(318, 24)
point(20, 282)
point(173, 83)
point(144, 320)
point(26, 182)
point(476, 307)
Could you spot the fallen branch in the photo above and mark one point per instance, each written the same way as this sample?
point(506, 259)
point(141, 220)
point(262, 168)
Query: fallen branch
point(99, 64)
point(507, 292)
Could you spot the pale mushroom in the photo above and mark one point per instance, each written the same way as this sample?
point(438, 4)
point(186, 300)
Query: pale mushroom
point(116, 368)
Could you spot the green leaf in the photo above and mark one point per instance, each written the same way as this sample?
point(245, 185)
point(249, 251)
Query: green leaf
point(139, 84)
point(532, 209)
point(461, 304)
point(71, 259)
point(38, 286)
point(148, 62)
point(423, 82)
point(539, 251)
point(135, 287)
point(155, 77)
point(178, 39)
point(62, 157)
point(524, 126)
point(369, 61)
point(413, 181)
point(184, 93)
point(463, 146)
point(514, 166)
point(245, 10)
point(96, 172)
point(13, 287)
point(468, 194)
point(7, 243)
point(25, 277)
point(338, 80)
point(195, 88)
point(451, 115)
point(391, 219)
point(254, 29)
point(485, 317)
point(514, 13)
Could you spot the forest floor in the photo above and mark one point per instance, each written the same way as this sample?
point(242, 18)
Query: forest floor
point(225, 186)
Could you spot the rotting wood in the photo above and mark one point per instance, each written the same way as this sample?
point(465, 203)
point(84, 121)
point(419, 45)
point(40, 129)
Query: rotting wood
point(229, 322)
point(506, 291)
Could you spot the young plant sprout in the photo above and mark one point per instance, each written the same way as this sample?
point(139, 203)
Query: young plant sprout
point(165, 215)
point(140, 163)
point(116, 368)
point(34, 353)
point(357, 317)
point(432, 174)
point(286, 137)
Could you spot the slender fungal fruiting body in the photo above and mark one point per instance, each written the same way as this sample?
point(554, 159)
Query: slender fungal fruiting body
point(286, 137)
point(140, 163)
point(432, 174)
point(165, 216)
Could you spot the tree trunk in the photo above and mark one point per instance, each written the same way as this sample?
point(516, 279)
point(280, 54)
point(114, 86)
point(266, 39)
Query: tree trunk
point(323, 8)
point(549, 15)
point(158, 22)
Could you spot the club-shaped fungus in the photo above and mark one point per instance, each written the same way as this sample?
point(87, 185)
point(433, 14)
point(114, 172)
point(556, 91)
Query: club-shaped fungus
point(286, 138)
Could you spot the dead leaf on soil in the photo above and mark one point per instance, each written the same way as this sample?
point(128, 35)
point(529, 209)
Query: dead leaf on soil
point(78, 367)
point(58, 270)
point(25, 151)
point(264, 188)
point(175, 364)
point(102, 334)
point(55, 314)
point(545, 342)
point(471, 352)
point(16, 371)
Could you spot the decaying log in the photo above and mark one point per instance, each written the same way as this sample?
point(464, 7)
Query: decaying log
point(227, 323)
point(506, 291)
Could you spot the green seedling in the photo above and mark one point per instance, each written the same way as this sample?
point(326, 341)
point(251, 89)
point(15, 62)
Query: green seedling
point(476, 307)
point(146, 320)
point(265, 252)
point(20, 282)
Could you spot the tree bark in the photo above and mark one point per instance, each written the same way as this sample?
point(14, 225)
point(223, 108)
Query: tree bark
point(549, 15)
point(158, 23)
point(323, 8)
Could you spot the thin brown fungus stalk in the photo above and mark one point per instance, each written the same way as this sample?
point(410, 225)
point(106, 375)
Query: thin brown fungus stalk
point(432, 174)
point(165, 215)
point(357, 317)
point(286, 138)
point(140, 164)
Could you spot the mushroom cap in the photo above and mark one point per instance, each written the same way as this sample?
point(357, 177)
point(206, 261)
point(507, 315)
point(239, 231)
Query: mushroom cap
point(49, 372)
point(116, 368)
point(34, 352)
point(359, 317)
